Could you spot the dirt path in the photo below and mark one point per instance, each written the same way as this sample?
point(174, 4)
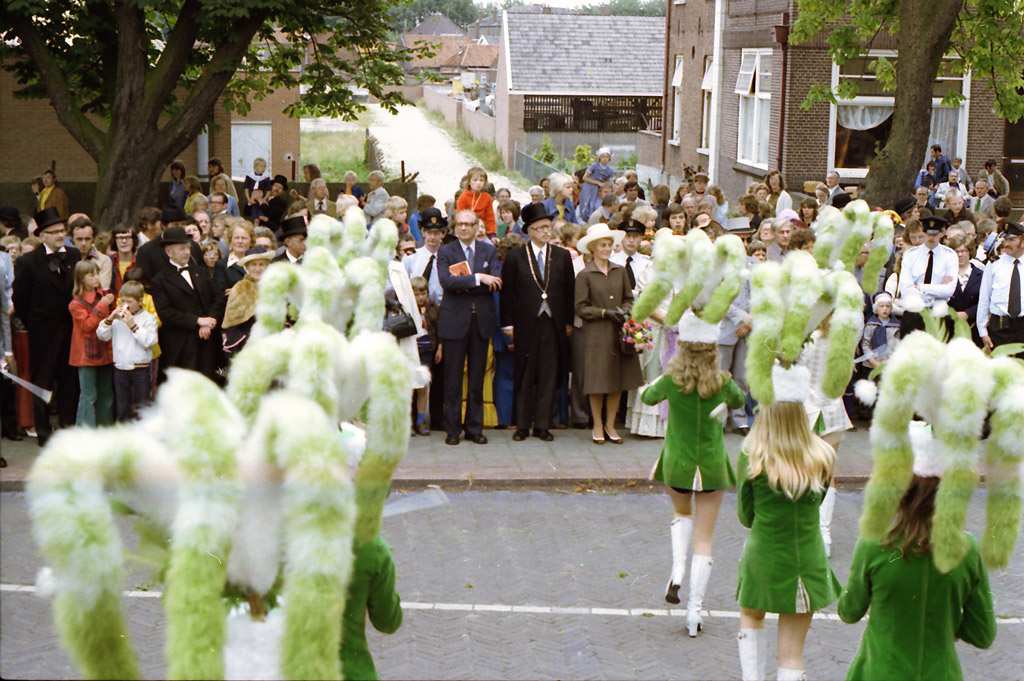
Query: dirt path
point(409, 136)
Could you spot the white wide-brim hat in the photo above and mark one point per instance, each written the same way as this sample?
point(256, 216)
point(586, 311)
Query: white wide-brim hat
point(598, 232)
point(693, 329)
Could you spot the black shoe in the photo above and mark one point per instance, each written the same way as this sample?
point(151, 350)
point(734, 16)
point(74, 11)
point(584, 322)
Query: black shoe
point(544, 435)
point(520, 435)
point(13, 435)
point(42, 439)
point(452, 440)
point(477, 439)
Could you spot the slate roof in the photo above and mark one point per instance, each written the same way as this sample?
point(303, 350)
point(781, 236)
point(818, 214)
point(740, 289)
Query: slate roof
point(437, 24)
point(581, 54)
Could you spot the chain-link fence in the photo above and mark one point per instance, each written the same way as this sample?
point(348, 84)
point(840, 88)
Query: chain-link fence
point(529, 167)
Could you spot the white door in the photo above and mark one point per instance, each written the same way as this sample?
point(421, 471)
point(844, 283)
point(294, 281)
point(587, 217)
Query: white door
point(249, 141)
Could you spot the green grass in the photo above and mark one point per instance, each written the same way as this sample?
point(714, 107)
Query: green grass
point(483, 151)
point(335, 153)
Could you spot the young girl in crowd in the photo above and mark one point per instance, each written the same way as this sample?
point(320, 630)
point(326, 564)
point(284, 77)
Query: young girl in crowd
point(784, 471)
point(474, 198)
point(560, 204)
point(397, 210)
point(92, 356)
point(508, 212)
point(258, 178)
point(597, 175)
point(194, 191)
point(133, 332)
point(694, 464)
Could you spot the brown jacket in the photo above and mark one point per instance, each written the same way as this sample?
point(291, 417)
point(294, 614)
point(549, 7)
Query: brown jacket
point(606, 370)
point(59, 200)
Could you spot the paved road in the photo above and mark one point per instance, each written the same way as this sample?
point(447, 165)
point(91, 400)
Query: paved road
point(537, 585)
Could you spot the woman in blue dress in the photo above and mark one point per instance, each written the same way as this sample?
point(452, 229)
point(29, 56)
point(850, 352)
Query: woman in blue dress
point(599, 173)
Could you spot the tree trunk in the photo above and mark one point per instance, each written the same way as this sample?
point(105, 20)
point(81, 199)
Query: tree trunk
point(924, 32)
point(128, 180)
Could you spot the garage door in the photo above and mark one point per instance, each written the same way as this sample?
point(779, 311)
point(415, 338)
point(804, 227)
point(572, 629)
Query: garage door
point(249, 141)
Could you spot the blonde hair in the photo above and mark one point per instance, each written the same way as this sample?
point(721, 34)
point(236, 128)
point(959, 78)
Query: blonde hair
point(476, 171)
point(695, 366)
point(132, 289)
point(229, 186)
point(395, 204)
point(782, 445)
point(557, 182)
point(645, 214)
point(82, 268)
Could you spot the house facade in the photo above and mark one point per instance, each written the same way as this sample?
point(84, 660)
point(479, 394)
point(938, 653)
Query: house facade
point(734, 86)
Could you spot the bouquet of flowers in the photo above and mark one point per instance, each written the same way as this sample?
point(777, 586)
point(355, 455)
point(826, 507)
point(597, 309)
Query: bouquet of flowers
point(636, 336)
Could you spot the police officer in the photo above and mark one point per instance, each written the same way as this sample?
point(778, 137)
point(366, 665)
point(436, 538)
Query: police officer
point(1000, 320)
point(930, 270)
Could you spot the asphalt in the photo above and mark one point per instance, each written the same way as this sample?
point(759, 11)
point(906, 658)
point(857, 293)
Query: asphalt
point(571, 459)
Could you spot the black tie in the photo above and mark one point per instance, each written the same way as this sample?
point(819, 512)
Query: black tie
point(928, 270)
point(629, 272)
point(1013, 305)
point(429, 269)
point(56, 262)
point(469, 258)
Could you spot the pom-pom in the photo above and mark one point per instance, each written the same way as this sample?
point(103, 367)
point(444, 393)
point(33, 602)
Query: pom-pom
point(912, 301)
point(693, 329)
point(745, 273)
point(46, 583)
point(791, 385)
point(940, 309)
point(928, 461)
point(839, 265)
point(866, 391)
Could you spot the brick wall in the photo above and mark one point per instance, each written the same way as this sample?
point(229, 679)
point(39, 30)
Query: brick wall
point(479, 125)
point(985, 130)
point(805, 145)
point(438, 100)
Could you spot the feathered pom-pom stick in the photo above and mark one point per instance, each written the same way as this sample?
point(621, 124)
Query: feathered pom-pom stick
point(381, 242)
point(725, 281)
point(669, 250)
point(830, 224)
point(767, 311)
point(844, 332)
point(858, 231)
point(881, 244)
point(1003, 457)
point(353, 237)
point(696, 269)
point(279, 285)
point(255, 369)
point(803, 287)
point(367, 277)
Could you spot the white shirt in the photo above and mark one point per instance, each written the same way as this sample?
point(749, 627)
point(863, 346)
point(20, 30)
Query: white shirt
point(291, 258)
point(130, 348)
point(945, 264)
point(995, 290)
point(416, 262)
point(639, 263)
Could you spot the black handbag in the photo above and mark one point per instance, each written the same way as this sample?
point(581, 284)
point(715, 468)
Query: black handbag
point(397, 321)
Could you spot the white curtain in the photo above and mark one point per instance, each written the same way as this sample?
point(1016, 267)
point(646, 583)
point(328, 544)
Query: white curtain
point(944, 128)
point(854, 117)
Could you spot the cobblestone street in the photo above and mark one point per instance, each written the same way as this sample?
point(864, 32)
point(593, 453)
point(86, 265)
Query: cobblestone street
point(531, 584)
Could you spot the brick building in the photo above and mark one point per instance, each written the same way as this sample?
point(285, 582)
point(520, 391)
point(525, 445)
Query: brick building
point(733, 88)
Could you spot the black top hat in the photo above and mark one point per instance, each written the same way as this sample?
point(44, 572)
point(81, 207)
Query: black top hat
point(534, 212)
point(904, 204)
point(10, 214)
point(47, 217)
point(431, 218)
point(172, 213)
point(294, 226)
point(281, 180)
point(634, 227)
point(175, 235)
point(932, 224)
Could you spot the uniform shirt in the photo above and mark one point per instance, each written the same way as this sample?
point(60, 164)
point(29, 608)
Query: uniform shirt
point(639, 263)
point(995, 290)
point(944, 264)
point(415, 263)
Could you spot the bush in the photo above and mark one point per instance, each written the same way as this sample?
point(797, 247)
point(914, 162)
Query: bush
point(584, 156)
point(546, 153)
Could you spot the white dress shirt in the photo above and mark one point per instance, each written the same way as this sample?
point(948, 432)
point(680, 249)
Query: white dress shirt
point(639, 263)
point(416, 262)
point(995, 290)
point(944, 265)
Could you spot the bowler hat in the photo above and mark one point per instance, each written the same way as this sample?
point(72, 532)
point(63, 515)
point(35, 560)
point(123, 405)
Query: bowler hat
point(10, 214)
point(47, 217)
point(294, 226)
point(634, 227)
point(932, 224)
point(175, 235)
point(534, 212)
point(281, 180)
point(172, 213)
point(431, 218)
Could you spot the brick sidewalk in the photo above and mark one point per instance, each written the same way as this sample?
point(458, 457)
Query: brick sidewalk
point(571, 457)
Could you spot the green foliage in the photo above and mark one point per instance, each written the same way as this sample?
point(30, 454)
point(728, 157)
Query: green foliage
point(628, 161)
point(546, 153)
point(988, 40)
point(584, 156)
point(335, 153)
point(631, 8)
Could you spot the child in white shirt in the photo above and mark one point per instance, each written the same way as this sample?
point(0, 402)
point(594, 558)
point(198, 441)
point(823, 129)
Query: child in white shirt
point(134, 334)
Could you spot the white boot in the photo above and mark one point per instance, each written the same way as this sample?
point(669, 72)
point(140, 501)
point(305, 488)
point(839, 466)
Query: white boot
point(828, 505)
point(700, 572)
point(791, 675)
point(682, 530)
point(751, 658)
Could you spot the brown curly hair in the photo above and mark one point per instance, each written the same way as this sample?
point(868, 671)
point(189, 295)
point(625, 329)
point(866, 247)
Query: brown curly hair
point(695, 366)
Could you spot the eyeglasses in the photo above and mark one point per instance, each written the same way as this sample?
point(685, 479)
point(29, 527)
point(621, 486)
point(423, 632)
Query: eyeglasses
point(125, 237)
point(465, 224)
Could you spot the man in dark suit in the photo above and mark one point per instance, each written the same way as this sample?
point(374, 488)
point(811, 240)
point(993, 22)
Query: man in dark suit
point(468, 270)
point(189, 306)
point(43, 283)
point(293, 236)
point(151, 258)
point(537, 300)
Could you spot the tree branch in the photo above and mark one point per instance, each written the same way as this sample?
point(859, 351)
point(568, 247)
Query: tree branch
point(166, 74)
point(71, 117)
point(107, 37)
point(132, 63)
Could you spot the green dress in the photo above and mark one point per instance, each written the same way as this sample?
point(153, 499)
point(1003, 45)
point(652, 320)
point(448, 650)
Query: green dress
point(917, 613)
point(693, 456)
point(371, 592)
point(784, 568)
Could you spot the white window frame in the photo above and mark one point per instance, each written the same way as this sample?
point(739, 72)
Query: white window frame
point(707, 90)
point(677, 100)
point(752, 64)
point(861, 173)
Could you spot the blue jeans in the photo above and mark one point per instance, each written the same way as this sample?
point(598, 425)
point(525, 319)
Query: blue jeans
point(96, 396)
point(132, 389)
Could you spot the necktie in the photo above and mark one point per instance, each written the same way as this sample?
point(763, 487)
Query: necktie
point(540, 263)
point(320, 206)
point(928, 270)
point(1013, 305)
point(469, 258)
point(429, 269)
point(56, 262)
point(629, 272)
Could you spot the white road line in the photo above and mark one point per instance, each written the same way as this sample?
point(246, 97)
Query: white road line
point(535, 609)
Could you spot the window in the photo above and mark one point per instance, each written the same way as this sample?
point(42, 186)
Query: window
point(862, 125)
point(677, 100)
point(754, 86)
point(591, 114)
point(707, 87)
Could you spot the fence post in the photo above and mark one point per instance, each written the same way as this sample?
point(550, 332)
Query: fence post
point(515, 155)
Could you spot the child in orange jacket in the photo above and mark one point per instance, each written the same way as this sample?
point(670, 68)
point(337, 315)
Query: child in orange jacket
point(93, 357)
point(474, 198)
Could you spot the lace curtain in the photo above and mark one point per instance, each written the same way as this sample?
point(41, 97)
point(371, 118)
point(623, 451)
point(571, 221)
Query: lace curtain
point(944, 127)
point(854, 117)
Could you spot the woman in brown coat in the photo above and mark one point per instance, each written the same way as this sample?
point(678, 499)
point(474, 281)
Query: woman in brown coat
point(603, 301)
point(53, 196)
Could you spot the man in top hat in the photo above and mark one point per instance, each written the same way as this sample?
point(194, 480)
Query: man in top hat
point(537, 307)
point(929, 271)
point(151, 257)
point(634, 262)
point(43, 282)
point(10, 223)
point(189, 306)
point(293, 236)
point(468, 270)
point(1000, 304)
point(277, 204)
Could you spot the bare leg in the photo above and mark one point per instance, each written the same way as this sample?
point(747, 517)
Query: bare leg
point(792, 634)
point(611, 409)
point(596, 404)
point(682, 504)
point(708, 504)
